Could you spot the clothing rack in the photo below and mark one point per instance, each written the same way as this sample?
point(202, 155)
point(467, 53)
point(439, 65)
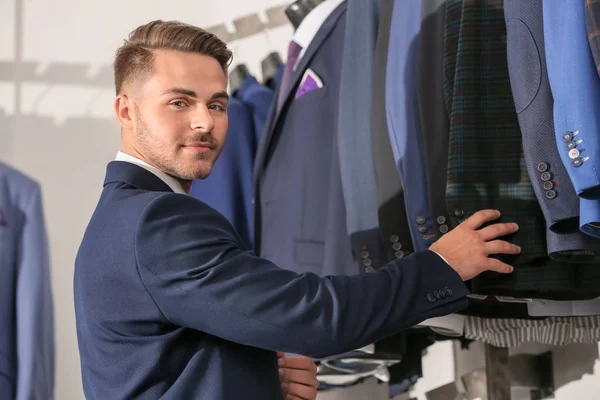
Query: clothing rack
point(530, 377)
point(251, 24)
point(504, 377)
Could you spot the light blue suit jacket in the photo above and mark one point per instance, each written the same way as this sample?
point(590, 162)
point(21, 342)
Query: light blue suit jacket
point(26, 316)
point(403, 120)
point(576, 91)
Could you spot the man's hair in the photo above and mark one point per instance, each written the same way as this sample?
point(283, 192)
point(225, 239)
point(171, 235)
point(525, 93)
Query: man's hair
point(134, 60)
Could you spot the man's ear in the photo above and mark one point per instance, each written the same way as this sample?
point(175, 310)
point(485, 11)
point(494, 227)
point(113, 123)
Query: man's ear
point(124, 111)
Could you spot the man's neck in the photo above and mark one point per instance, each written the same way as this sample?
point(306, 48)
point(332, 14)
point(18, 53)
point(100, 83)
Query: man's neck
point(176, 184)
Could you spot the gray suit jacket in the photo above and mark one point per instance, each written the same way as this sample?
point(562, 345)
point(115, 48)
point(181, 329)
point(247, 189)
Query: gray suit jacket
point(354, 124)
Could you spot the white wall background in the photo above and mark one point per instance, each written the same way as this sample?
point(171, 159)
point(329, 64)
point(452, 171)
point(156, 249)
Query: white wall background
point(56, 124)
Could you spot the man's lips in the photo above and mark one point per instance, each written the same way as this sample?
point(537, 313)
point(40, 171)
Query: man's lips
point(200, 147)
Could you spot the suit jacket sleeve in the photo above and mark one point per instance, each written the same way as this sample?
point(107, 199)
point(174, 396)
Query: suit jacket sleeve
point(192, 264)
point(35, 323)
point(576, 91)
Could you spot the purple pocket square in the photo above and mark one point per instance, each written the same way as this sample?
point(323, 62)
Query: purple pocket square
point(310, 81)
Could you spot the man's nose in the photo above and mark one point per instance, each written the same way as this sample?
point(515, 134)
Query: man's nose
point(202, 119)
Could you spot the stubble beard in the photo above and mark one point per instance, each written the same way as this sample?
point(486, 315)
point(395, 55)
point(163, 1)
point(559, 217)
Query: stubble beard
point(157, 154)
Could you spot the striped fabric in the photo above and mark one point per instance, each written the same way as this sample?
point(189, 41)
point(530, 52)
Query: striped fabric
point(555, 331)
point(592, 23)
point(486, 163)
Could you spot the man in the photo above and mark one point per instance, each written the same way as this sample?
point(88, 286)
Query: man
point(170, 304)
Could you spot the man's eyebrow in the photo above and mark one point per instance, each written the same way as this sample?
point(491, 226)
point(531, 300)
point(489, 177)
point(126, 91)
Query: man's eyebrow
point(220, 95)
point(191, 93)
point(185, 92)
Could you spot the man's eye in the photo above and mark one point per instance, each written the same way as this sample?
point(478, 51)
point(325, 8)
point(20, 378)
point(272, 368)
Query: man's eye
point(217, 107)
point(178, 103)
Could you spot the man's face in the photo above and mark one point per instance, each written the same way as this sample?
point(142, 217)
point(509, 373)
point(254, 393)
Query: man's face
point(179, 118)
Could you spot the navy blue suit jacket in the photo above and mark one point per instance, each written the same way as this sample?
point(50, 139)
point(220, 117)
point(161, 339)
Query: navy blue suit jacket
point(228, 188)
point(300, 213)
point(169, 304)
point(258, 98)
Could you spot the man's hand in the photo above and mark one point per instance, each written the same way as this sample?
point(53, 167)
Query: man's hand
point(466, 247)
point(298, 377)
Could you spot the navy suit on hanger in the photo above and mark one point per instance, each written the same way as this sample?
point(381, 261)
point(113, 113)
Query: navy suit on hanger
point(228, 188)
point(258, 98)
point(300, 213)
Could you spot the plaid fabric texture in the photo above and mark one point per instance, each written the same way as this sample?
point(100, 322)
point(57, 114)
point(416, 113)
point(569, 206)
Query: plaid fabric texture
point(592, 23)
point(486, 165)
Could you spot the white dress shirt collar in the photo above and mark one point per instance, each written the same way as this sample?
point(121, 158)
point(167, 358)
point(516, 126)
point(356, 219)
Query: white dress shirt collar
point(310, 25)
point(169, 180)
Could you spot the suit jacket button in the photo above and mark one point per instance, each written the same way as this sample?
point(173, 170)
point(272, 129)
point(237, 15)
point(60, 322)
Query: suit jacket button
point(550, 194)
point(444, 228)
point(568, 136)
point(364, 254)
point(577, 162)
point(399, 254)
point(571, 144)
point(397, 246)
point(431, 298)
point(422, 229)
point(448, 291)
point(367, 262)
point(459, 213)
point(548, 185)
point(420, 220)
point(545, 176)
point(573, 154)
point(394, 238)
point(441, 220)
point(542, 167)
point(369, 269)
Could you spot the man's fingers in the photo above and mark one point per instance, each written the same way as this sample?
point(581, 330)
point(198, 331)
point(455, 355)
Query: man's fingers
point(498, 266)
point(480, 218)
point(301, 391)
point(497, 230)
point(501, 247)
point(299, 376)
point(298, 362)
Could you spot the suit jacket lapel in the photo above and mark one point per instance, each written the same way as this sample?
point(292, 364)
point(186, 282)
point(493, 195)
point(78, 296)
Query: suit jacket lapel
point(275, 114)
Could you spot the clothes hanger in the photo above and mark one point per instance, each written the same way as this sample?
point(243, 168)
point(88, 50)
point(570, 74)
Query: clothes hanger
point(237, 76)
point(299, 9)
point(269, 65)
